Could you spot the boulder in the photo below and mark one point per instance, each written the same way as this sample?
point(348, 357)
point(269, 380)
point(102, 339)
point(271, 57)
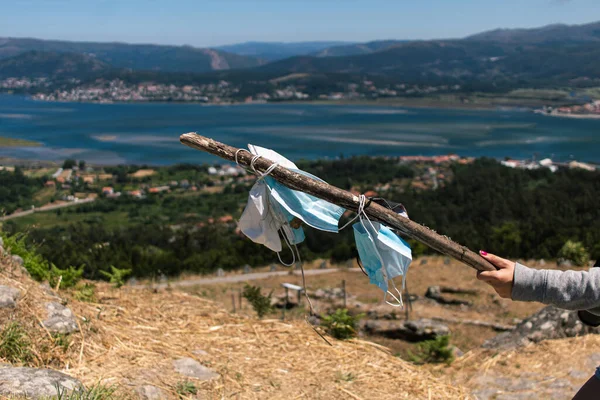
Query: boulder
point(192, 368)
point(149, 392)
point(60, 319)
point(8, 296)
point(548, 323)
point(412, 331)
point(35, 383)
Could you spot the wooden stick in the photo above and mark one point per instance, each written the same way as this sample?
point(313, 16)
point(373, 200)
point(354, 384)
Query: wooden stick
point(342, 198)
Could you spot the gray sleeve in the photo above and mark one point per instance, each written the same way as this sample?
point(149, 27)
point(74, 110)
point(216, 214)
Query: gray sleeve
point(571, 290)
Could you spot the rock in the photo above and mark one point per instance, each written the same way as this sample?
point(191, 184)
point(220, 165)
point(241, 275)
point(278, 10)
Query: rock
point(412, 331)
point(1, 242)
point(192, 368)
point(60, 319)
point(433, 292)
point(220, 272)
point(548, 323)
point(17, 260)
point(563, 263)
point(8, 296)
point(35, 383)
point(50, 292)
point(149, 392)
point(456, 352)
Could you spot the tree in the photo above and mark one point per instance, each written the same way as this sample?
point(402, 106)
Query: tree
point(69, 163)
point(575, 252)
point(82, 165)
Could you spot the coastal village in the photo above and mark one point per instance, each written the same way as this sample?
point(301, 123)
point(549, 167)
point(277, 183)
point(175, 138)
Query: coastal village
point(590, 109)
point(221, 92)
point(78, 184)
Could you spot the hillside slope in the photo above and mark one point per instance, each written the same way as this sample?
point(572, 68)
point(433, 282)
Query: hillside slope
point(132, 339)
point(136, 56)
point(36, 64)
point(272, 51)
point(459, 61)
point(556, 33)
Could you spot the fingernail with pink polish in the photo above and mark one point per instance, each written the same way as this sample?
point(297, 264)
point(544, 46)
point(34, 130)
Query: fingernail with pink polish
point(483, 253)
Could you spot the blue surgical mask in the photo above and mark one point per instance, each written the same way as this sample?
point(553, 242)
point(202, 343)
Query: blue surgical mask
point(384, 255)
point(315, 212)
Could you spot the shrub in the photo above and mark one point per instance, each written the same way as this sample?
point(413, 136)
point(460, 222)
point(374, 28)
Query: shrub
point(86, 293)
point(15, 346)
point(96, 392)
point(260, 303)
point(70, 276)
point(433, 351)
point(185, 388)
point(341, 325)
point(34, 263)
point(116, 276)
point(575, 252)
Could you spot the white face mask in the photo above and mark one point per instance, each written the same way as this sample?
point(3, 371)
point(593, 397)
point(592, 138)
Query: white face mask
point(315, 212)
point(258, 221)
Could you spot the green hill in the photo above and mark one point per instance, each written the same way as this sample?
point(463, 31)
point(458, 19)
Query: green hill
point(136, 56)
point(557, 33)
point(37, 64)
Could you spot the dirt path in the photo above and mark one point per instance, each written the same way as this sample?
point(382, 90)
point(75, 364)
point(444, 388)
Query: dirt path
point(45, 208)
point(242, 278)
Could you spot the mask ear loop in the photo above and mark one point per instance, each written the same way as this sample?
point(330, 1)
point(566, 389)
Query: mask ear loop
point(398, 299)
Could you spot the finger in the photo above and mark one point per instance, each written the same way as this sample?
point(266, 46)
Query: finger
point(488, 276)
point(494, 259)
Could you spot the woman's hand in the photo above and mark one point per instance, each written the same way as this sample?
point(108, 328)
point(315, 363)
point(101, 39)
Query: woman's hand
point(502, 279)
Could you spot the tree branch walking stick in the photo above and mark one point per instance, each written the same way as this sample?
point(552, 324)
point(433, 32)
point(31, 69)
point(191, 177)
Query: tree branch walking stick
point(343, 199)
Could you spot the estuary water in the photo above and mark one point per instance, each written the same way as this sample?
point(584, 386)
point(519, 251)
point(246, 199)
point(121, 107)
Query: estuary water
point(149, 133)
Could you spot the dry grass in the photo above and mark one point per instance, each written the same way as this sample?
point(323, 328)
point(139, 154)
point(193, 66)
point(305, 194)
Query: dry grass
point(131, 337)
point(573, 360)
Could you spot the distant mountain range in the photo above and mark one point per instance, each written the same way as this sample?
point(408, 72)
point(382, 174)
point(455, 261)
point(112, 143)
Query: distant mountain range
point(551, 55)
point(557, 33)
point(137, 56)
point(60, 66)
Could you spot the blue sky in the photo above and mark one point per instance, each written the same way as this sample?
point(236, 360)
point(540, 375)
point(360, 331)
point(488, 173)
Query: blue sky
point(217, 22)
